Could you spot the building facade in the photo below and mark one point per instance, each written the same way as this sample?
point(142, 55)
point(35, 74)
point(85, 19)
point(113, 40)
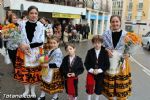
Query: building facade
point(2, 12)
point(98, 14)
point(93, 12)
point(118, 8)
point(138, 16)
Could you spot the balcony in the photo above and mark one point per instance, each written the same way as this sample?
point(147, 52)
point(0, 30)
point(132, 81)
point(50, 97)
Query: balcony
point(128, 18)
point(44, 7)
point(73, 3)
point(138, 18)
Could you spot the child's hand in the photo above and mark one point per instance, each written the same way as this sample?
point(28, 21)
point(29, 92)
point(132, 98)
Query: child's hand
point(72, 74)
point(69, 75)
point(95, 72)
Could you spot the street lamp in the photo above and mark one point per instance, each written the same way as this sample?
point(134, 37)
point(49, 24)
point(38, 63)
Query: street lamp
point(110, 13)
point(21, 9)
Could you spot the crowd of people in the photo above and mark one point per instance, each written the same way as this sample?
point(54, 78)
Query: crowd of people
point(39, 36)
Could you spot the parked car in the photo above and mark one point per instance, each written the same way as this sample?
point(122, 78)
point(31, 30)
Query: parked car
point(146, 40)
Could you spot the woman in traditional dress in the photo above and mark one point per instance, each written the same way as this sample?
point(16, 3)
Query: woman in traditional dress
point(117, 80)
point(52, 83)
point(27, 69)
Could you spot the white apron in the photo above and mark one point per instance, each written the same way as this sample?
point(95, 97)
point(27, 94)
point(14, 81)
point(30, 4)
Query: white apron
point(114, 63)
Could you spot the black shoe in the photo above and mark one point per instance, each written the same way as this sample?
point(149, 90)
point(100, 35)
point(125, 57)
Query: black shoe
point(41, 98)
point(54, 98)
point(34, 98)
point(22, 98)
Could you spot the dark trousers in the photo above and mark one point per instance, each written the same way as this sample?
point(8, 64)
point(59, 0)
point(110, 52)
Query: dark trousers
point(86, 35)
point(12, 56)
point(1, 43)
point(98, 86)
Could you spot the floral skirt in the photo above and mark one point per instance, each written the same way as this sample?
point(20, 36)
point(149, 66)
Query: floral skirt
point(26, 75)
point(118, 85)
point(56, 85)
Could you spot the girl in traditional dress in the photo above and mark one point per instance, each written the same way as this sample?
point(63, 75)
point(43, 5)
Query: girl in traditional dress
point(52, 83)
point(71, 67)
point(96, 63)
point(117, 80)
point(27, 69)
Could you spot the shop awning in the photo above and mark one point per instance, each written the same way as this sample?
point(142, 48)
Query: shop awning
point(63, 15)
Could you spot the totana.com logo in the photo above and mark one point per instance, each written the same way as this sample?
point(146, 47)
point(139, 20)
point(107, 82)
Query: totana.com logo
point(12, 96)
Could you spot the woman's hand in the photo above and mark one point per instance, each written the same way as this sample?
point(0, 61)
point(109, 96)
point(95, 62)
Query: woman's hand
point(110, 52)
point(44, 65)
point(24, 47)
point(126, 56)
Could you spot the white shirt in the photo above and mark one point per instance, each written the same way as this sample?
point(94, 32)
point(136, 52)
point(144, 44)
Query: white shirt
point(97, 53)
point(71, 58)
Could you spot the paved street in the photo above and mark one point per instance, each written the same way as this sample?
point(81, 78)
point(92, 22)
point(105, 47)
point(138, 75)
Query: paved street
point(140, 74)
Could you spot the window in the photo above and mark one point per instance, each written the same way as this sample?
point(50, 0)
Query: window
point(121, 4)
point(120, 12)
point(140, 6)
point(130, 6)
point(129, 16)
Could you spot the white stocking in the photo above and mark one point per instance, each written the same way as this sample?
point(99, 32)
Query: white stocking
point(75, 98)
point(97, 97)
point(55, 96)
point(26, 92)
point(70, 97)
point(42, 94)
point(33, 90)
point(89, 97)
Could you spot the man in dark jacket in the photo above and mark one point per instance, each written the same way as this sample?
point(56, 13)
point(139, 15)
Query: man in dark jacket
point(87, 30)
